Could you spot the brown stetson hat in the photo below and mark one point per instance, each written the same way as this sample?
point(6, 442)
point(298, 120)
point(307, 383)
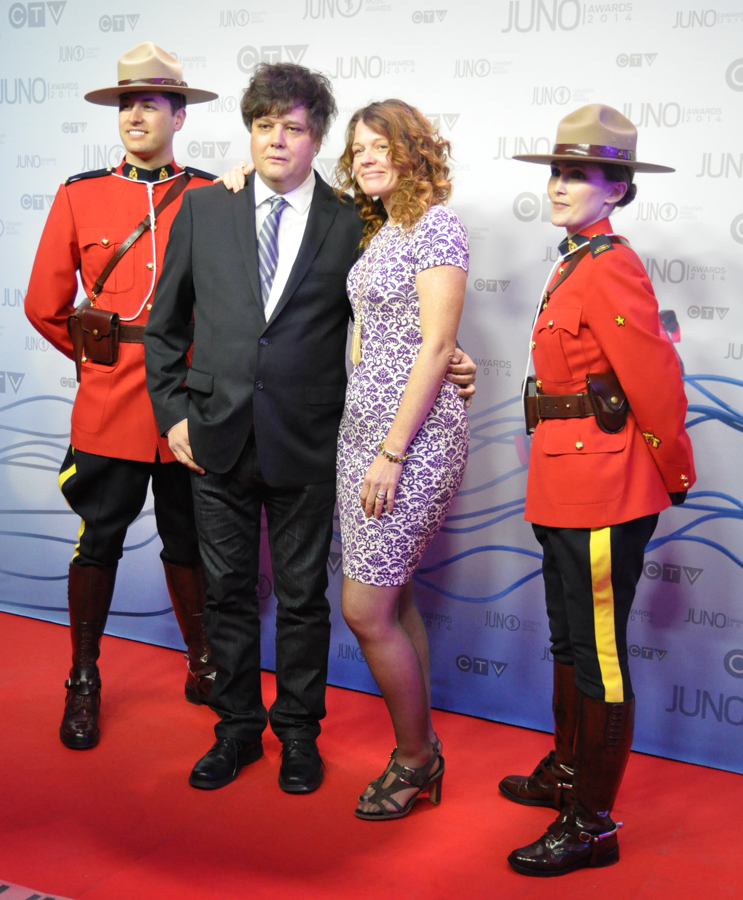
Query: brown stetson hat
point(148, 67)
point(597, 134)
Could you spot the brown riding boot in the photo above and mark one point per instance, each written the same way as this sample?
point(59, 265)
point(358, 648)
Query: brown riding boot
point(187, 588)
point(89, 592)
point(584, 835)
point(550, 784)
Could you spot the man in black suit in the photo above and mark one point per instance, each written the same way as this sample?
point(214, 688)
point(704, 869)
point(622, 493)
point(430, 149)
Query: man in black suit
point(256, 415)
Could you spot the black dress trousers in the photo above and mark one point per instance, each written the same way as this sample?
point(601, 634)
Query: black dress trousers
point(300, 529)
point(590, 579)
point(108, 494)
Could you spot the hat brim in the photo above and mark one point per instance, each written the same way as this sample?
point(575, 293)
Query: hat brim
point(547, 159)
point(110, 96)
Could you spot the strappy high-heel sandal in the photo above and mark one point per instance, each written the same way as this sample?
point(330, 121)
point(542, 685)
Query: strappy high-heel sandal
point(427, 778)
point(435, 746)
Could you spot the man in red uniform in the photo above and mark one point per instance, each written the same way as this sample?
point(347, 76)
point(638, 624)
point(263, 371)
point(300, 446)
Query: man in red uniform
point(115, 444)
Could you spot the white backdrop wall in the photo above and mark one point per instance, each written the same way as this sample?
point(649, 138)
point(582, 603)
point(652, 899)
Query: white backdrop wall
point(496, 76)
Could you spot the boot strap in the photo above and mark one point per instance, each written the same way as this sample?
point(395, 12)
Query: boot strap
point(586, 837)
point(202, 671)
point(84, 688)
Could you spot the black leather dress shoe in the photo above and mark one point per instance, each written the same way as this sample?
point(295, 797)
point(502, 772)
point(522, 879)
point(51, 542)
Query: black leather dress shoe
point(301, 767)
point(223, 762)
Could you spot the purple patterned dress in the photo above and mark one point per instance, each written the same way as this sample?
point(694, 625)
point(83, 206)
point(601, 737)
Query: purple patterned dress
point(386, 551)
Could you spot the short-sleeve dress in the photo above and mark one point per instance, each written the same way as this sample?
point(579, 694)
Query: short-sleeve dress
point(386, 551)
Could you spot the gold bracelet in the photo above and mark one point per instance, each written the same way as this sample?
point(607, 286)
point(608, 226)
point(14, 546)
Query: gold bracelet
point(391, 456)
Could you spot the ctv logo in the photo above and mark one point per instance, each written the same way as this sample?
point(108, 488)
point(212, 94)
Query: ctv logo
point(36, 201)
point(429, 16)
point(635, 60)
point(449, 120)
point(118, 22)
point(249, 57)
point(208, 149)
point(491, 285)
point(646, 652)
point(11, 379)
point(33, 15)
point(670, 572)
point(479, 666)
point(707, 312)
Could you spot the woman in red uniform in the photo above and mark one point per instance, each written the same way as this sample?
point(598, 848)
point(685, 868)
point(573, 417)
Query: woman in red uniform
point(610, 451)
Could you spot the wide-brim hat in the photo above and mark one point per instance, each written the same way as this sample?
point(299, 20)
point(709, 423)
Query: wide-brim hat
point(148, 67)
point(597, 134)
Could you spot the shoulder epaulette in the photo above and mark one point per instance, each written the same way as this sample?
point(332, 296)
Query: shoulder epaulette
point(97, 173)
point(599, 244)
point(199, 174)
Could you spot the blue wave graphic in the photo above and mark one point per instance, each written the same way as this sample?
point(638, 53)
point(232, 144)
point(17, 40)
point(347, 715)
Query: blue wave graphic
point(487, 427)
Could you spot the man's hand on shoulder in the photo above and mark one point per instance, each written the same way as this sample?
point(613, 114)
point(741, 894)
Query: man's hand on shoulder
point(462, 371)
point(181, 447)
point(234, 180)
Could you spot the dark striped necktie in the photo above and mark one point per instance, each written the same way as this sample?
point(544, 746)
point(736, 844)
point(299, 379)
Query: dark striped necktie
point(268, 246)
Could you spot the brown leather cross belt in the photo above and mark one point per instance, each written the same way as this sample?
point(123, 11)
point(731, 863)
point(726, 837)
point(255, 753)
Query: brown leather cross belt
point(560, 406)
point(131, 334)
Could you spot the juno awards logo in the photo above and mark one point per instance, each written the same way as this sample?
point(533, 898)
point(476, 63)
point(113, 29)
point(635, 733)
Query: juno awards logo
point(322, 9)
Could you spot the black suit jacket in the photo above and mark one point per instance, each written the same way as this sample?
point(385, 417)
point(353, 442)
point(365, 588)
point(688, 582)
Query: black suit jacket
point(285, 377)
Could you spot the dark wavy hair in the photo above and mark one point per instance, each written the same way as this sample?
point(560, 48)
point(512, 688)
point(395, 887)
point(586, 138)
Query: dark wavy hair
point(417, 151)
point(614, 173)
point(276, 88)
point(176, 101)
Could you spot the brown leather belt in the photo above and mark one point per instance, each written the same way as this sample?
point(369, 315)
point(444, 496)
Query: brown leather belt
point(131, 334)
point(559, 406)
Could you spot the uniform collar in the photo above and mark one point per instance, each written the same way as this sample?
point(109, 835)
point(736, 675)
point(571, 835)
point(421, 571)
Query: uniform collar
point(138, 173)
point(571, 244)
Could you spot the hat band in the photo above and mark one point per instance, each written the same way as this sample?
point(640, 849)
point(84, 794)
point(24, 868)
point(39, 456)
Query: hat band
point(156, 81)
point(593, 150)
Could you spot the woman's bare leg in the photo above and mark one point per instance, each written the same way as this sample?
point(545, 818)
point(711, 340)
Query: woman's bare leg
point(372, 614)
point(411, 621)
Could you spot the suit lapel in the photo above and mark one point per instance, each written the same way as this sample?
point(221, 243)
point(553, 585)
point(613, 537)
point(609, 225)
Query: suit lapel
point(243, 209)
point(323, 211)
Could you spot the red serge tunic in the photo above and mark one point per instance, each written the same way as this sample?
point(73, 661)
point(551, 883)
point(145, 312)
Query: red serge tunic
point(89, 219)
point(605, 316)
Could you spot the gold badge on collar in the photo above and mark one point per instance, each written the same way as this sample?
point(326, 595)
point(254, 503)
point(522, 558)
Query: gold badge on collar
point(620, 320)
point(651, 439)
point(571, 245)
point(163, 174)
point(133, 173)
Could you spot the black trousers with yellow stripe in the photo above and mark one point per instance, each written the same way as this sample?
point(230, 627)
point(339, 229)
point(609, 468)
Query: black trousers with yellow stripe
point(590, 578)
point(108, 494)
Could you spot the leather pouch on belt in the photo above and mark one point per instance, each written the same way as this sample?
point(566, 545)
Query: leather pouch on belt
point(95, 336)
point(608, 401)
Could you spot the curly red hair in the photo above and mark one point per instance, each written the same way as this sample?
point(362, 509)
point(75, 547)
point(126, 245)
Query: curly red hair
point(417, 151)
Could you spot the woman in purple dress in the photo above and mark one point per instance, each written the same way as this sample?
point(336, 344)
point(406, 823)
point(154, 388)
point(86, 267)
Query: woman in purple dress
point(402, 447)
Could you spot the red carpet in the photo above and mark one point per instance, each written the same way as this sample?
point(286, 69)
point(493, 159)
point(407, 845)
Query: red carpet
point(121, 823)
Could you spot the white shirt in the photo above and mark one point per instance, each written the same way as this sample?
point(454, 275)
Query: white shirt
point(292, 224)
